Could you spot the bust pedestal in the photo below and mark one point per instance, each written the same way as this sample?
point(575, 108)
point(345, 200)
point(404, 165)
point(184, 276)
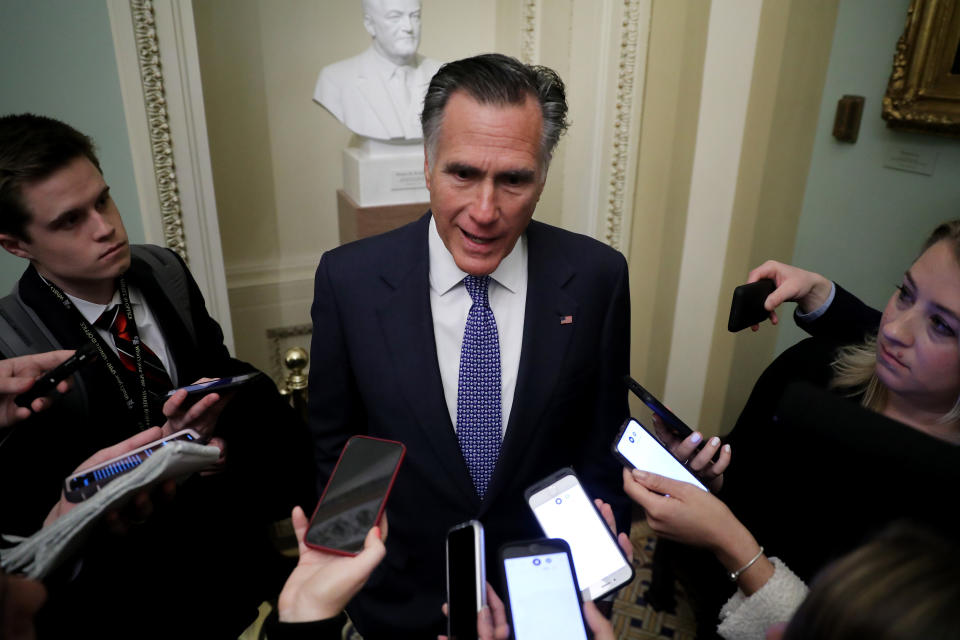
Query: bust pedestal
point(358, 222)
point(377, 173)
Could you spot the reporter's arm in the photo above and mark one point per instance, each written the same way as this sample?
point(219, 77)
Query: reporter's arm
point(683, 512)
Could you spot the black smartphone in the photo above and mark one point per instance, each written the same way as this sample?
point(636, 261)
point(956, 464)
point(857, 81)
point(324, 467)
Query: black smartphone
point(564, 510)
point(747, 309)
point(84, 484)
point(466, 579)
point(542, 593)
point(355, 495)
point(219, 385)
point(48, 381)
point(669, 419)
point(638, 448)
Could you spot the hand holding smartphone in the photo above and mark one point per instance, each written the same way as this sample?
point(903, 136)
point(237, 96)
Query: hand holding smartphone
point(49, 380)
point(543, 595)
point(466, 579)
point(747, 308)
point(355, 495)
point(564, 510)
point(638, 448)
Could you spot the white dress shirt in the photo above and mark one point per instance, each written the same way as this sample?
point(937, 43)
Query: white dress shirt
point(147, 326)
point(450, 303)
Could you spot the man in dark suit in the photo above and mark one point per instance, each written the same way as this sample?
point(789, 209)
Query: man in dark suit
point(491, 345)
point(177, 573)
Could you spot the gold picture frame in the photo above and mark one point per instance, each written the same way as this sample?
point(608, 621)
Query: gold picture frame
point(924, 89)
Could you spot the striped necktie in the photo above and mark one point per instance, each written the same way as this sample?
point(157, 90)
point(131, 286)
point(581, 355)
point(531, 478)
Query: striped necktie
point(157, 378)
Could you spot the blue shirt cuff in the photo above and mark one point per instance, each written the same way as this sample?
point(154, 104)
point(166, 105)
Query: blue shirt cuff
point(819, 311)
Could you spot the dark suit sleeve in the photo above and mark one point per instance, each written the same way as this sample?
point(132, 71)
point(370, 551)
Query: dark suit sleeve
point(847, 320)
point(335, 408)
point(601, 472)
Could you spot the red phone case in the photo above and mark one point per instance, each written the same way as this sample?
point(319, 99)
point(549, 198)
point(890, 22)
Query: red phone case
point(383, 503)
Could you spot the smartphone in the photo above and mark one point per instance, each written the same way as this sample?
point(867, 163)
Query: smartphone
point(466, 579)
point(200, 389)
point(564, 510)
point(670, 420)
point(355, 495)
point(638, 448)
point(48, 381)
point(542, 592)
point(84, 484)
point(747, 309)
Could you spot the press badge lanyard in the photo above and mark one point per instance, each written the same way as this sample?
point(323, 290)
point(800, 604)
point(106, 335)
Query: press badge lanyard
point(98, 342)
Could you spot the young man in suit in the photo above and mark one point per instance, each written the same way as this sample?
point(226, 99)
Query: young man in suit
point(178, 572)
point(492, 345)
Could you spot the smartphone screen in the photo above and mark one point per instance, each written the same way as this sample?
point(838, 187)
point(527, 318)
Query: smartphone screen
point(355, 495)
point(637, 447)
point(84, 484)
point(544, 602)
point(564, 510)
point(466, 579)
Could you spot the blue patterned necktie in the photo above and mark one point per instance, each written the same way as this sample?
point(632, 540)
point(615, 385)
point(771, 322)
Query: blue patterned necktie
point(478, 388)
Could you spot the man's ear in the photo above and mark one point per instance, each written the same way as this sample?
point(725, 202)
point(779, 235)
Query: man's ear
point(368, 25)
point(426, 169)
point(15, 245)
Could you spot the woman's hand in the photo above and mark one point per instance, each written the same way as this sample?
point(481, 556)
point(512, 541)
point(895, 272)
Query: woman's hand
point(700, 462)
point(808, 289)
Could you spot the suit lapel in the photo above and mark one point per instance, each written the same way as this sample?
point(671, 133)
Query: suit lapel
point(545, 342)
point(407, 324)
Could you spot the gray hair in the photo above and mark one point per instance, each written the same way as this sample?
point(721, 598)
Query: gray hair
point(496, 79)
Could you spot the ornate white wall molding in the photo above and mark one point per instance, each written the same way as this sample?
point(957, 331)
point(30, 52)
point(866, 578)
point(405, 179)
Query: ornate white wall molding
point(608, 49)
point(151, 77)
point(623, 152)
point(530, 34)
point(159, 73)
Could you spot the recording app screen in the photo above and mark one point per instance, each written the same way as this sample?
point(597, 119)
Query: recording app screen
point(120, 466)
point(353, 495)
point(570, 515)
point(543, 600)
point(644, 452)
point(462, 568)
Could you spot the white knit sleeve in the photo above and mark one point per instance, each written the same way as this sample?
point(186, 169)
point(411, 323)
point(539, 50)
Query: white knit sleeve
point(746, 618)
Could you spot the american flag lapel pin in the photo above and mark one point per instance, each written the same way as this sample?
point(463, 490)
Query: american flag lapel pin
point(566, 319)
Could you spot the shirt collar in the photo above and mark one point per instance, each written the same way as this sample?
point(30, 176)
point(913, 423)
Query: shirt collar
point(445, 274)
point(91, 311)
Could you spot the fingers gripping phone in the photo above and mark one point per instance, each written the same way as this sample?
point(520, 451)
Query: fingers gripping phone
point(638, 448)
point(747, 308)
point(355, 495)
point(564, 510)
point(543, 596)
point(49, 380)
point(84, 484)
point(466, 579)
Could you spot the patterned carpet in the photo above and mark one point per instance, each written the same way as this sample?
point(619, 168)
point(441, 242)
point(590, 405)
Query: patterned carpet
point(632, 616)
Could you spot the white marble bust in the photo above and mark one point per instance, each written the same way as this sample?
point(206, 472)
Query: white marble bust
point(379, 93)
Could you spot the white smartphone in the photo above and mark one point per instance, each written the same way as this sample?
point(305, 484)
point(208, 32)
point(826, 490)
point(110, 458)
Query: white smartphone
point(466, 579)
point(542, 593)
point(638, 448)
point(564, 510)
